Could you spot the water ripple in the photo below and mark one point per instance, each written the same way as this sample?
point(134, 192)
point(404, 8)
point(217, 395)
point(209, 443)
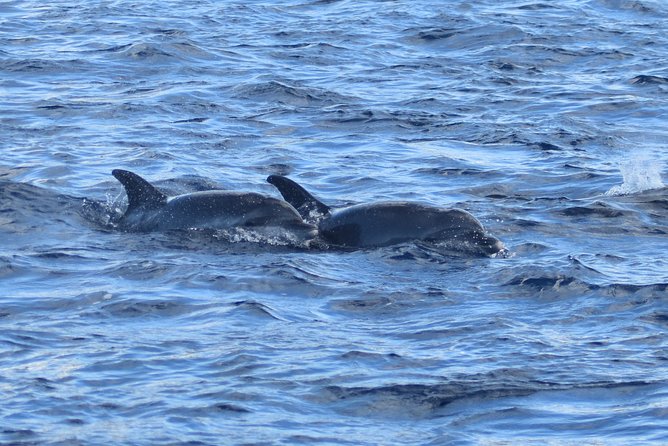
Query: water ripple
point(544, 120)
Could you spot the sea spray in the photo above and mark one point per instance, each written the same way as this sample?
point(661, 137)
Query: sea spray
point(639, 174)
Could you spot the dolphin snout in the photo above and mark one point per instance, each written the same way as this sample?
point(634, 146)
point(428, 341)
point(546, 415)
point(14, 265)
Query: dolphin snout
point(500, 250)
point(491, 245)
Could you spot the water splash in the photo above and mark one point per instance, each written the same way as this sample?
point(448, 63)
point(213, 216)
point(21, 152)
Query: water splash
point(273, 236)
point(639, 175)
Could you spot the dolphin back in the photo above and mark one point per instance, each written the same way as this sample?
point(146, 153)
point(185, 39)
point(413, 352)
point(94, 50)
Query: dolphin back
point(305, 203)
point(140, 192)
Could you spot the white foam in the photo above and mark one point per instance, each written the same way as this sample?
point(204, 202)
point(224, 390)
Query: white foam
point(640, 174)
point(274, 236)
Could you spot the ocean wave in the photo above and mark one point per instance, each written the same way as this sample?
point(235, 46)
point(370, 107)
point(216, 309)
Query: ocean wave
point(117, 307)
point(286, 92)
point(646, 79)
point(256, 310)
point(597, 208)
point(428, 400)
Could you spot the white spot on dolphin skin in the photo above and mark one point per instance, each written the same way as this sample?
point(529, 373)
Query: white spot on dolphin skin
point(640, 174)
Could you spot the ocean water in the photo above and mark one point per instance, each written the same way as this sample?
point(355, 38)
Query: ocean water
point(546, 120)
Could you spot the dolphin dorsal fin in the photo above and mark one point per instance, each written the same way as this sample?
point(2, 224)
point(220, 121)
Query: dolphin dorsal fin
point(140, 192)
point(299, 198)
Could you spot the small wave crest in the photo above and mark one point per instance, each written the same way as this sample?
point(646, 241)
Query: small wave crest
point(640, 174)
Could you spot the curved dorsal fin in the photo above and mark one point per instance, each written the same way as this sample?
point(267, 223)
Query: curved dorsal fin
point(298, 197)
point(140, 192)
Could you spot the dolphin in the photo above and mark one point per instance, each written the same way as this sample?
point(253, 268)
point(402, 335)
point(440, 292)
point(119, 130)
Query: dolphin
point(151, 210)
point(388, 223)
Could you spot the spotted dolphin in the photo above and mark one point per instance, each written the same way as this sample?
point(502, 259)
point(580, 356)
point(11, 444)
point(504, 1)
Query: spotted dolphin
point(149, 209)
point(388, 223)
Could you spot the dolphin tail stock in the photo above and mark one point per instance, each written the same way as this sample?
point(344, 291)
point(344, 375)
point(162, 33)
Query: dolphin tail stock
point(298, 197)
point(139, 191)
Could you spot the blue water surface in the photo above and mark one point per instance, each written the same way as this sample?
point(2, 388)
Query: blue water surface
point(546, 120)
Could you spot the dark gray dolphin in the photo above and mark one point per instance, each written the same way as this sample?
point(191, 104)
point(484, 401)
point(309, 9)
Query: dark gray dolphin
point(151, 210)
point(388, 223)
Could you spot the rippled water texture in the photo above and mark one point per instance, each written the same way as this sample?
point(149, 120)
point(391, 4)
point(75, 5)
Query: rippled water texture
point(546, 120)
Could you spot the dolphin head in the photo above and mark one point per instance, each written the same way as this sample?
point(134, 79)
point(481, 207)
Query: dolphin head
point(488, 245)
point(461, 231)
